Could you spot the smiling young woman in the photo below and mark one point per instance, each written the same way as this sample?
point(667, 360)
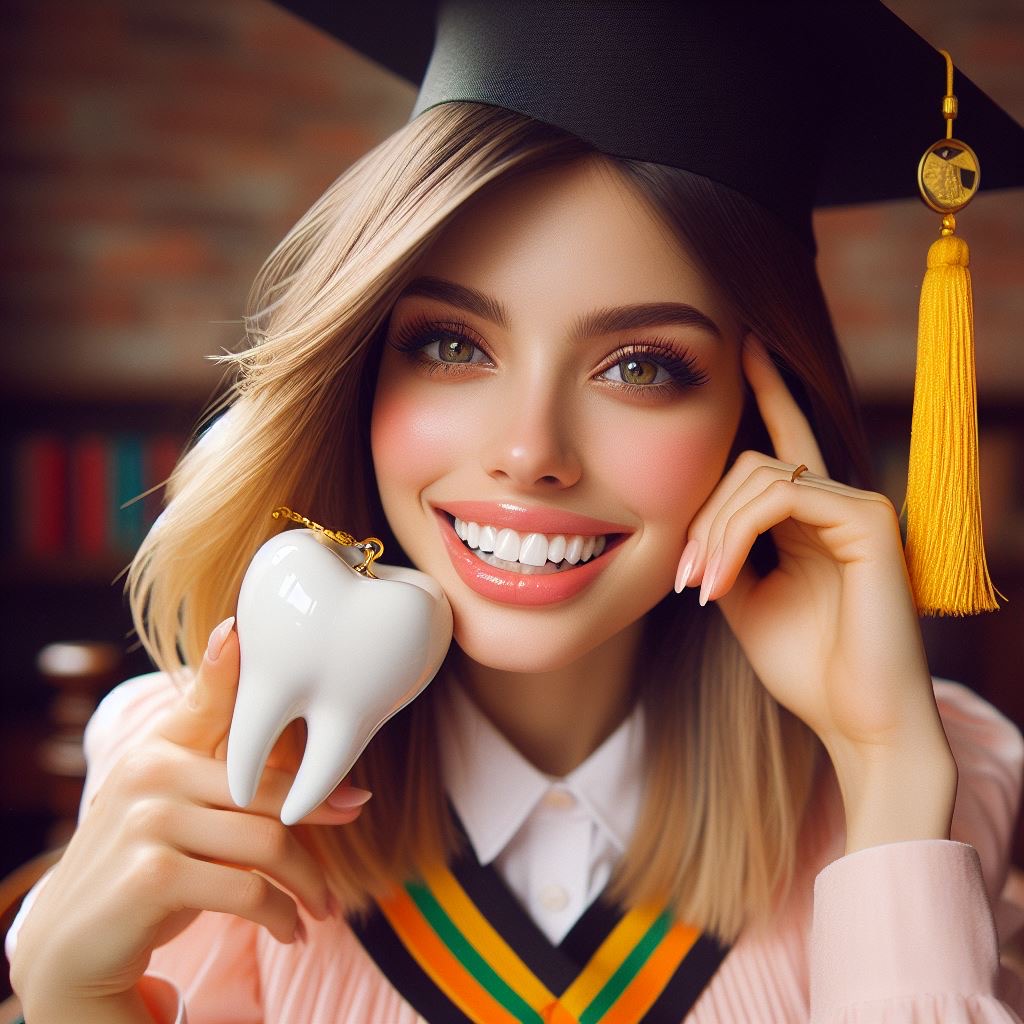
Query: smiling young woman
point(568, 385)
point(538, 422)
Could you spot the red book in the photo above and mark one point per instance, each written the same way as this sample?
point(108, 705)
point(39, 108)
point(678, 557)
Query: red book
point(90, 495)
point(161, 456)
point(41, 483)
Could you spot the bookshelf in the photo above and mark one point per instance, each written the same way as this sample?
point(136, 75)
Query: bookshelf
point(67, 466)
point(71, 469)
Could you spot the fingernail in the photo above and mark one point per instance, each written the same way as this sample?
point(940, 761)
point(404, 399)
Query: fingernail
point(348, 798)
point(686, 565)
point(708, 583)
point(216, 642)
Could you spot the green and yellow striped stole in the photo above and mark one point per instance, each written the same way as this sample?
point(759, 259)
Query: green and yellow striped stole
point(459, 948)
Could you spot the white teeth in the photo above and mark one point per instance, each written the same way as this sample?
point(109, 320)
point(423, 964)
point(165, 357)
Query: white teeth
point(547, 569)
point(528, 552)
point(507, 545)
point(534, 550)
point(556, 548)
point(574, 550)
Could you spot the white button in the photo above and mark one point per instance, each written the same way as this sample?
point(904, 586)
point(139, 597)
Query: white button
point(554, 897)
point(559, 799)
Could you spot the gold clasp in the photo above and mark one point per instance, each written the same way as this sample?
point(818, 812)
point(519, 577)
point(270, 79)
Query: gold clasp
point(372, 547)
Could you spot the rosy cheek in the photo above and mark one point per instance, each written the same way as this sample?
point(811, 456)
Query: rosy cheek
point(412, 431)
point(668, 475)
point(393, 437)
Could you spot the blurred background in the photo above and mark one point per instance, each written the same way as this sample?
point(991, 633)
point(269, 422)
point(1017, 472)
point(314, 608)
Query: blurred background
point(156, 151)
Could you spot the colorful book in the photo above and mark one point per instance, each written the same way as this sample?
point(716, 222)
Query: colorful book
point(90, 495)
point(41, 485)
point(161, 456)
point(126, 525)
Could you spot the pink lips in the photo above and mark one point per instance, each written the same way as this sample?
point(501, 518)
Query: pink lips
point(513, 588)
point(525, 520)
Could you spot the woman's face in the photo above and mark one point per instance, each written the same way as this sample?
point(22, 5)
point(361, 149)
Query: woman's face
point(562, 377)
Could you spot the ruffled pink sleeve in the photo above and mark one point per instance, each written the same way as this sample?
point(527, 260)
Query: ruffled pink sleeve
point(904, 933)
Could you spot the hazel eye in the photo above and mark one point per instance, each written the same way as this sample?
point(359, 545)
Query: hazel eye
point(449, 348)
point(632, 370)
point(453, 349)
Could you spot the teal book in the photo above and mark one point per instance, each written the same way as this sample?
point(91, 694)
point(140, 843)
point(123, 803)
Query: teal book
point(127, 525)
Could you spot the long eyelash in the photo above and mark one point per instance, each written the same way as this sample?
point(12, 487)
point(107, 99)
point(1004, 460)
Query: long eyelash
point(681, 366)
point(420, 331)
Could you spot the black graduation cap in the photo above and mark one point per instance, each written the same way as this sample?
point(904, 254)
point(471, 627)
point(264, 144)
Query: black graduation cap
point(796, 104)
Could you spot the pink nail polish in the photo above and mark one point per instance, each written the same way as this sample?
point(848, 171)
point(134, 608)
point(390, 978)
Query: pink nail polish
point(217, 638)
point(685, 569)
point(348, 799)
point(708, 583)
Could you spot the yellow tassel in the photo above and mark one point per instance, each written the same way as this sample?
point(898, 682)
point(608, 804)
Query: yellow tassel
point(945, 548)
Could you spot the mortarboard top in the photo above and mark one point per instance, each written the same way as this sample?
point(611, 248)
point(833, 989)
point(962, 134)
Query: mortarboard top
point(795, 104)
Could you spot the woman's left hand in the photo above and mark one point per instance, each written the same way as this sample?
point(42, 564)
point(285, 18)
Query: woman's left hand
point(832, 632)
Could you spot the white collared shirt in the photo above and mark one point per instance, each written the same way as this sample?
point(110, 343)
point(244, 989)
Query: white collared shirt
point(554, 841)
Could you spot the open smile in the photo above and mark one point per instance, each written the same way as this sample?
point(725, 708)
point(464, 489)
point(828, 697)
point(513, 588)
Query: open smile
point(531, 554)
point(525, 568)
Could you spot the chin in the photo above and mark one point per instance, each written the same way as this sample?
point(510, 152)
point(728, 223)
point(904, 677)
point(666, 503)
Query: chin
point(508, 656)
point(517, 649)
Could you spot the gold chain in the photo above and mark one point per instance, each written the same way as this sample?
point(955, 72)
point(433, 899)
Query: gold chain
point(372, 547)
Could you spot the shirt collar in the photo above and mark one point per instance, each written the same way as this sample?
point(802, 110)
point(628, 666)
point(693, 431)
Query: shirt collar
point(494, 788)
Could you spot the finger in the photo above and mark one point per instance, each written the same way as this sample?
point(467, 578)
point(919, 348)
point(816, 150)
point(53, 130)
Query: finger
point(200, 720)
point(838, 518)
point(204, 781)
point(202, 885)
point(249, 841)
point(728, 495)
point(343, 805)
point(757, 480)
point(791, 435)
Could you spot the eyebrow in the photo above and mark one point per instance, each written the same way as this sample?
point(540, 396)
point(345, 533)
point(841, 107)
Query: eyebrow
point(606, 320)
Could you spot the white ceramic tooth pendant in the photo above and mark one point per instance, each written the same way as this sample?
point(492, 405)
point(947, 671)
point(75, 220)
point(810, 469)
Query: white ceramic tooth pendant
point(321, 642)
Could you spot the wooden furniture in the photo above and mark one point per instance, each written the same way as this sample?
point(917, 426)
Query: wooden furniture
point(79, 674)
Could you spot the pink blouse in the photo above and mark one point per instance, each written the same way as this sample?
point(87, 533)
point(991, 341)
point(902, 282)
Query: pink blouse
point(902, 933)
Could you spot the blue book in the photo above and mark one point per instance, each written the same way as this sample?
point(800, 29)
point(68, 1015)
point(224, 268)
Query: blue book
point(127, 524)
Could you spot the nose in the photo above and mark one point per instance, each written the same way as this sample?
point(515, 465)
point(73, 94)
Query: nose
point(534, 438)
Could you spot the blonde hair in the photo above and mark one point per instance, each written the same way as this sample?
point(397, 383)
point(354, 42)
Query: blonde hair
point(730, 771)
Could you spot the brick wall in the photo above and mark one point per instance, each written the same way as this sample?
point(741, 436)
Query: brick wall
point(156, 151)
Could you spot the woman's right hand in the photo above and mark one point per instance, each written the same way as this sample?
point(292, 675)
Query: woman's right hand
point(161, 841)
